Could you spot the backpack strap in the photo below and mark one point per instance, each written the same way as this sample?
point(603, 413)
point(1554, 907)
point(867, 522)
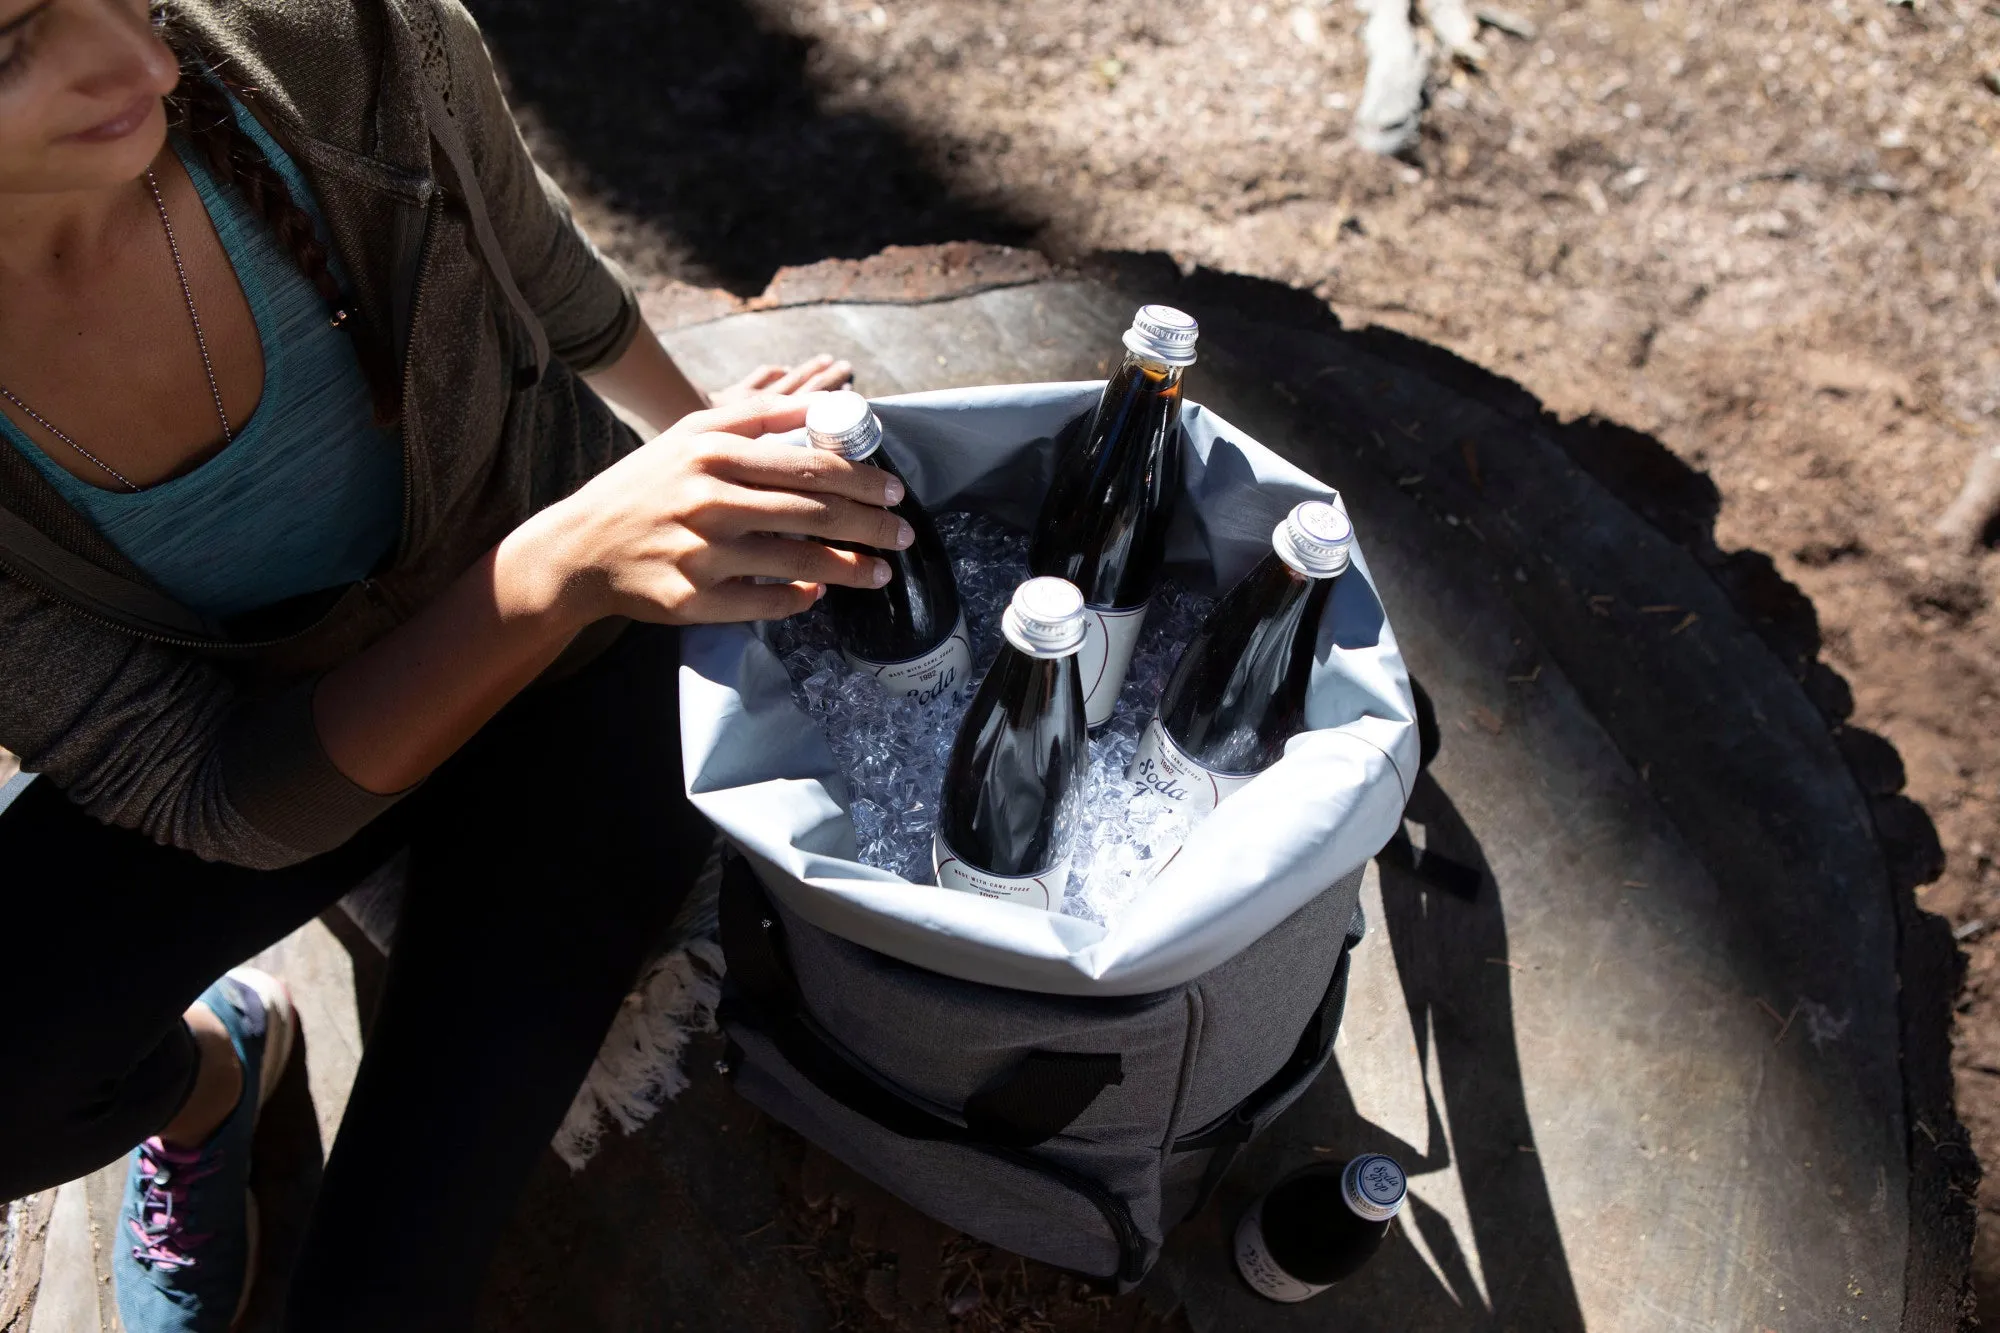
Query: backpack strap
point(444, 129)
point(1040, 1097)
point(1003, 1118)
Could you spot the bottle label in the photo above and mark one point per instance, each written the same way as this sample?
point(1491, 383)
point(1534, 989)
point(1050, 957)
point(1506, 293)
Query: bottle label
point(937, 674)
point(1163, 768)
point(1109, 636)
point(1044, 890)
point(1260, 1270)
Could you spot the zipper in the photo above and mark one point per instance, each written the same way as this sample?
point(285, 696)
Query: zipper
point(368, 586)
point(425, 252)
point(1131, 1245)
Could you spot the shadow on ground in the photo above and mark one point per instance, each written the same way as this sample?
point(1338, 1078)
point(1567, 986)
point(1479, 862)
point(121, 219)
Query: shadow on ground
point(694, 117)
point(1751, 829)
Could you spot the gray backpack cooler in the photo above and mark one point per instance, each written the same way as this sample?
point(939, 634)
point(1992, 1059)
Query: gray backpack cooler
point(1076, 1131)
point(1065, 1089)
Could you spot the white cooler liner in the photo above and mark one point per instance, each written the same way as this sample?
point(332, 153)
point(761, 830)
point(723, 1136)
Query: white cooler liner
point(759, 768)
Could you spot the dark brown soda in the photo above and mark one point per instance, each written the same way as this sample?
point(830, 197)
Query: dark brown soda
point(1103, 522)
point(1014, 782)
point(914, 611)
point(1238, 692)
point(1311, 1233)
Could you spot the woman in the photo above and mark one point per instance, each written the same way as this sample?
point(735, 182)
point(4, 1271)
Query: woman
point(314, 547)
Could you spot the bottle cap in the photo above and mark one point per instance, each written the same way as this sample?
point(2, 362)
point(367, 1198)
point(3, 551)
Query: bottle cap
point(1373, 1186)
point(841, 422)
point(1315, 538)
point(1163, 334)
point(1045, 619)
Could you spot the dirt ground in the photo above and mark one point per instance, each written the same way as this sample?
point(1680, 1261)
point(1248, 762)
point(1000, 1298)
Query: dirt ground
point(1760, 231)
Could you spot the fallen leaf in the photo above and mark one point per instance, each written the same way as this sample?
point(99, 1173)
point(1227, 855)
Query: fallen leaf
point(1469, 451)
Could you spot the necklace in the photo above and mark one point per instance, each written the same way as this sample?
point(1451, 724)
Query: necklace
point(200, 342)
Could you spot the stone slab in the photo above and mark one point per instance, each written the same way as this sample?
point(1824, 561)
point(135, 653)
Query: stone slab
point(1651, 1079)
point(1657, 1074)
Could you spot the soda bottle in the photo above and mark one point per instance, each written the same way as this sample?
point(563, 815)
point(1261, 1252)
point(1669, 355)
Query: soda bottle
point(1238, 692)
point(1014, 782)
point(909, 633)
point(1317, 1226)
point(1103, 523)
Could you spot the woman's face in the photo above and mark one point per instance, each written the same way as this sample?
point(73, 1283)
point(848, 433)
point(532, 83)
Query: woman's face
point(80, 89)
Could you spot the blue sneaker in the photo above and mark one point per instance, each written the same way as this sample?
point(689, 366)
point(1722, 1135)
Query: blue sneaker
point(188, 1218)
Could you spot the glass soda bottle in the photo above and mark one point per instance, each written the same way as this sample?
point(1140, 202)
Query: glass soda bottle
point(1013, 786)
point(1103, 523)
point(1317, 1226)
point(909, 633)
point(1238, 692)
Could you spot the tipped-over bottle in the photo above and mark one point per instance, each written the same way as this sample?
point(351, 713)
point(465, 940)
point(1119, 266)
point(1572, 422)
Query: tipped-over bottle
point(1238, 692)
point(1317, 1226)
point(1013, 785)
point(1103, 523)
point(909, 633)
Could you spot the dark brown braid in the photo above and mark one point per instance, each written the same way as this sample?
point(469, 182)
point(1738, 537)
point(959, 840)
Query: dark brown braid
point(199, 109)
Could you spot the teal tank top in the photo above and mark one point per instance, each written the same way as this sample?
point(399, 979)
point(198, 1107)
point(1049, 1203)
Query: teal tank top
point(308, 495)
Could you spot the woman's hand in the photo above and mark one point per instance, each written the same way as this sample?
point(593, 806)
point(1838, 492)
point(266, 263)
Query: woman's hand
point(672, 532)
point(814, 376)
point(675, 531)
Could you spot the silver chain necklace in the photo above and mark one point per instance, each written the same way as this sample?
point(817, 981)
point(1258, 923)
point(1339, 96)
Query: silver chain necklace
point(200, 342)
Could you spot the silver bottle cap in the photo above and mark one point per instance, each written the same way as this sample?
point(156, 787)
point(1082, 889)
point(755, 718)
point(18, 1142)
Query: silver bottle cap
point(1045, 618)
point(1163, 334)
point(1315, 538)
point(1373, 1186)
point(841, 422)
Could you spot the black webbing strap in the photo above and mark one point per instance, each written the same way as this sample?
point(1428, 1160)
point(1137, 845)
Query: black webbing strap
point(1028, 1104)
point(1040, 1097)
point(1025, 1106)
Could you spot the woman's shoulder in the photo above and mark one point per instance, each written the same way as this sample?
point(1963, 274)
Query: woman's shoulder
point(335, 70)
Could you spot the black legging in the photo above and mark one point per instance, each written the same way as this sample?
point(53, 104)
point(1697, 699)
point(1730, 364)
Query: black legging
point(547, 857)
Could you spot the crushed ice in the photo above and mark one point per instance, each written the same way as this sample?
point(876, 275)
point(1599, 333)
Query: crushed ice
point(894, 751)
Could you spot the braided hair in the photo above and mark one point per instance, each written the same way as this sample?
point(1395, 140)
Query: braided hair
point(199, 109)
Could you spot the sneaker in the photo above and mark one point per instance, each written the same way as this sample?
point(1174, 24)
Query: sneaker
point(188, 1224)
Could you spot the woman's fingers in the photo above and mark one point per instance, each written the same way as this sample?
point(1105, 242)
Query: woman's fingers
point(744, 509)
point(836, 376)
point(784, 467)
point(760, 414)
point(739, 600)
point(822, 372)
point(799, 562)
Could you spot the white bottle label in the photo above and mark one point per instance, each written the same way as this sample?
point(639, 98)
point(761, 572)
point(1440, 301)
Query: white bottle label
point(1163, 768)
point(1044, 890)
point(1260, 1270)
point(937, 674)
point(1109, 636)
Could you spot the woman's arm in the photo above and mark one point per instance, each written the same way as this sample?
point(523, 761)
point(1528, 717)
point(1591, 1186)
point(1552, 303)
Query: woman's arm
point(671, 533)
point(647, 383)
point(152, 738)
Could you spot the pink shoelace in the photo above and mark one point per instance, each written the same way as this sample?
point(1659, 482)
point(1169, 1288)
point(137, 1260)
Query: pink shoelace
point(164, 1177)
